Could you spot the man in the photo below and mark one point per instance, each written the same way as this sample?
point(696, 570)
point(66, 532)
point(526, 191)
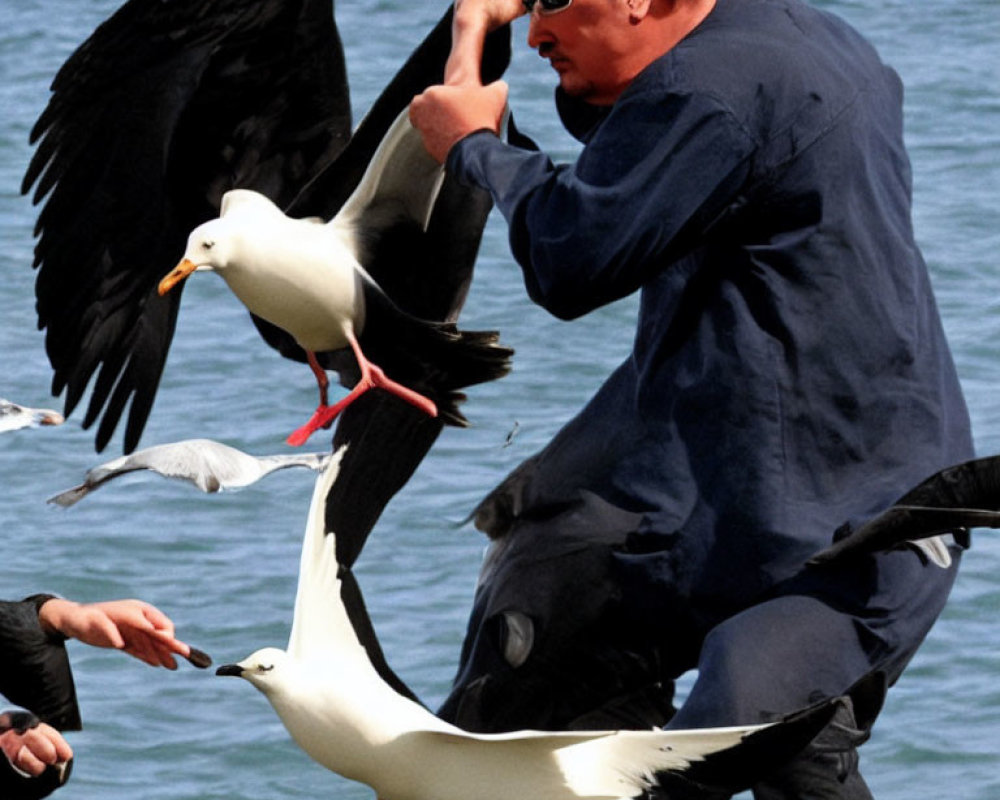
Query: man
point(743, 169)
point(35, 674)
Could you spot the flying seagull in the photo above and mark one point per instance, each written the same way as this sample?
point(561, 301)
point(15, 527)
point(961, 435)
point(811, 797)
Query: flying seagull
point(209, 465)
point(344, 707)
point(14, 417)
point(952, 500)
point(164, 109)
point(310, 278)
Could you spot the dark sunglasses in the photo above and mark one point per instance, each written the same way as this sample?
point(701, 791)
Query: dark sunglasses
point(547, 6)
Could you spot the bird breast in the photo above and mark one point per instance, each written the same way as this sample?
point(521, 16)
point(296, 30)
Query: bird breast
point(301, 277)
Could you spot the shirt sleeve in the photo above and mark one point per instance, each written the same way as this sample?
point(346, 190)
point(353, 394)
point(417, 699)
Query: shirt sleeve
point(34, 668)
point(646, 189)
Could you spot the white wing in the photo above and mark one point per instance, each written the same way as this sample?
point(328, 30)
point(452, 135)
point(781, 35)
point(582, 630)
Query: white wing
point(321, 621)
point(402, 180)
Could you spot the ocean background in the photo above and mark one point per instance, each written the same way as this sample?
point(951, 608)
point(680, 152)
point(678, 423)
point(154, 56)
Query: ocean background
point(224, 566)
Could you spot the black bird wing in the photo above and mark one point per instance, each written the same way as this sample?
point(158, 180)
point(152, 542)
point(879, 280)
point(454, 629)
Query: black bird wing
point(953, 500)
point(162, 110)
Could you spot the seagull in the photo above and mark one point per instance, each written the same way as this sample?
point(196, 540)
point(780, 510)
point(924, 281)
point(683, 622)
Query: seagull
point(342, 705)
point(307, 277)
point(14, 417)
point(953, 500)
point(157, 115)
point(209, 465)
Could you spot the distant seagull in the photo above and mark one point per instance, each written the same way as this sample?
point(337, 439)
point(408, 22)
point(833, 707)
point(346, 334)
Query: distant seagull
point(14, 417)
point(161, 111)
point(310, 278)
point(328, 691)
point(211, 466)
point(953, 501)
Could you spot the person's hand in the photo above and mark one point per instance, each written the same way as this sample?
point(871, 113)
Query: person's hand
point(472, 20)
point(446, 114)
point(138, 628)
point(36, 748)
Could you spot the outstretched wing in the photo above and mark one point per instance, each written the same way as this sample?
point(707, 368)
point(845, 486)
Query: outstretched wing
point(162, 110)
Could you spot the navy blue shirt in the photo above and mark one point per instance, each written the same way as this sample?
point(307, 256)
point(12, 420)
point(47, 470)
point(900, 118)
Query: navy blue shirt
point(789, 370)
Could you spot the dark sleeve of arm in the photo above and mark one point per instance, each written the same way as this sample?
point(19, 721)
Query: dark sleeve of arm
point(34, 668)
point(645, 190)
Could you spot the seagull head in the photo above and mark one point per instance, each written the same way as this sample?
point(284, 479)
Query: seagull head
point(264, 669)
point(209, 247)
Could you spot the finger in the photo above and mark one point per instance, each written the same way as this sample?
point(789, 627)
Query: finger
point(157, 648)
point(26, 761)
point(157, 618)
point(40, 744)
point(103, 632)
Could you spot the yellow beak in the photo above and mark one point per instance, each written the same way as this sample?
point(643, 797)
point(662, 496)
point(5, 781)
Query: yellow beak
point(176, 275)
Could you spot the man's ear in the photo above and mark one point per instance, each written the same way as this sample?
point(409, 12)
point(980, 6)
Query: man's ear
point(637, 10)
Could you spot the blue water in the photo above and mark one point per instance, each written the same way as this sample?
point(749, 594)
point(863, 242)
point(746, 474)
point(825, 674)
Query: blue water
point(224, 566)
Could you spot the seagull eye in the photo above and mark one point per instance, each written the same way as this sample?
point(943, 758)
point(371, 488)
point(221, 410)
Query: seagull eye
point(208, 244)
point(265, 667)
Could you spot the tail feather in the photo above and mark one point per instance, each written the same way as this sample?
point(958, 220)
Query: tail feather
point(434, 358)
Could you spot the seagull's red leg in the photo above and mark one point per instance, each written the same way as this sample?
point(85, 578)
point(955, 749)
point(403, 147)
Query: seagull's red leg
point(372, 376)
point(321, 378)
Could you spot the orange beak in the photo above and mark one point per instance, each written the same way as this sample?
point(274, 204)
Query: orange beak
point(176, 275)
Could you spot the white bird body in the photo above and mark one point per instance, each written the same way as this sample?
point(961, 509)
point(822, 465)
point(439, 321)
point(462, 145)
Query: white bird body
point(338, 709)
point(299, 274)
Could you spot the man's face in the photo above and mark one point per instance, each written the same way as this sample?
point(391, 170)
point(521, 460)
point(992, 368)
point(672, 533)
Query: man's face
point(590, 44)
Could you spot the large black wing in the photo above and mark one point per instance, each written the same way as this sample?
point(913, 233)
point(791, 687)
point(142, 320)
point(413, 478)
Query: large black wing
point(162, 110)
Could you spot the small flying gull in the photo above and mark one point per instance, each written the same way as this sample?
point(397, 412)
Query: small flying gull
point(209, 465)
point(951, 501)
point(153, 119)
point(14, 417)
point(308, 278)
point(342, 705)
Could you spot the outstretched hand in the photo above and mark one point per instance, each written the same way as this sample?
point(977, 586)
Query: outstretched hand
point(138, 628)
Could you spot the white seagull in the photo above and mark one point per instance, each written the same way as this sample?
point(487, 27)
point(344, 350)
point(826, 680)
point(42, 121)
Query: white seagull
point(306, 276)
point(209, 465)
point(14, 417)
point(328, 691)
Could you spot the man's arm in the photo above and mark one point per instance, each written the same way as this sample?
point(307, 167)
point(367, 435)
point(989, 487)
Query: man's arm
point(446, 114)
point(472, 20)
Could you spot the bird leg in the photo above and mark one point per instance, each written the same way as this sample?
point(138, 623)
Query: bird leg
point(321, 380)
point(372, 376)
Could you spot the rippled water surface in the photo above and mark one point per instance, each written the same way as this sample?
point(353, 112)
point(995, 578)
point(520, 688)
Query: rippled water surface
point(224, 566)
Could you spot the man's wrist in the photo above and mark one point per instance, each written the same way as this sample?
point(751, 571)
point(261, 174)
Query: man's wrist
point(48, 620)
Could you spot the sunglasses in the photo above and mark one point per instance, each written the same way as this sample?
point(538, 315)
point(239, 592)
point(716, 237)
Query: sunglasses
point(547, 6)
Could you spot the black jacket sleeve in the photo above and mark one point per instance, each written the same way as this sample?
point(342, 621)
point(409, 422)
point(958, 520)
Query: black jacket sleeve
point(34, 667)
